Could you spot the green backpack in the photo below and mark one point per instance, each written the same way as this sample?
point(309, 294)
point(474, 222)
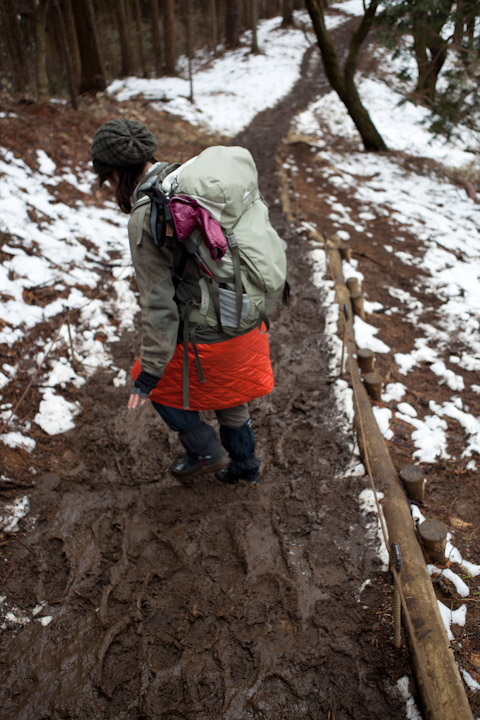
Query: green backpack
point(240, 290)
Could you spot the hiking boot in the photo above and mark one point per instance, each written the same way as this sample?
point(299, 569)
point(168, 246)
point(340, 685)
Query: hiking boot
point(229, 476)
point(189, 466)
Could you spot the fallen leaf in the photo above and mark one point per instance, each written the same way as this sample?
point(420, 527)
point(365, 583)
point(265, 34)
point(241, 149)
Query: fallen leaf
point(475, 659)
point(459, 524)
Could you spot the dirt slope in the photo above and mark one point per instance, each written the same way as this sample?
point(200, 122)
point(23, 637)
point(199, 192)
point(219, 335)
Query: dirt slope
point(205, 602)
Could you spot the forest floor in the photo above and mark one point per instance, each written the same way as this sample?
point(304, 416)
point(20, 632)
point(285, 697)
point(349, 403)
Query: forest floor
point(206, 602)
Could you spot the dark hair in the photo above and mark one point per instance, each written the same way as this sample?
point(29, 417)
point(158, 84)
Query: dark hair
point(128, 179)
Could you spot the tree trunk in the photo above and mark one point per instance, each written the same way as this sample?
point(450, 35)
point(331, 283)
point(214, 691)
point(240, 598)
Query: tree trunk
point(4, 57)
point(9, 50)
point(16, 45)
point(287, 12)
point(107, 36)
point(470, 23)
point(221, 18)
point(270, 9)
point(93, 76)
point(232, 23)
point(254, 22)
point(132, 40)
point(41, 49)
point(141, 48)
point(156, 40)
point(342, 81)
point(466, 12)
point(459, 23)
point(428, 40)
point(212, 24)
point(65, 45)
point(169, 34)
point(126, 66)
point(71, 40)
point(438, 51)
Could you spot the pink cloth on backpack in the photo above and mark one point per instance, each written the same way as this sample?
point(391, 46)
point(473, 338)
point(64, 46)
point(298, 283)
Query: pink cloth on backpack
point(187, 215)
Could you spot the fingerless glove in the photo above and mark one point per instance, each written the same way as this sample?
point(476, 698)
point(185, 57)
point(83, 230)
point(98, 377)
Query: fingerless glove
point(145, 383)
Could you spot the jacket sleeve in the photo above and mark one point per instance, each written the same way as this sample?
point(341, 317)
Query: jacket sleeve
point(154, 275)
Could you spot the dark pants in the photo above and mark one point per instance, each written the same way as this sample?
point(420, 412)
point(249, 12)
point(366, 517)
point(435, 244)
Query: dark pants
point(200, 439)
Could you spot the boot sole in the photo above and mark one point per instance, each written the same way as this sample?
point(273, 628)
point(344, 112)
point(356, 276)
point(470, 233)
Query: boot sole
point(204, 470)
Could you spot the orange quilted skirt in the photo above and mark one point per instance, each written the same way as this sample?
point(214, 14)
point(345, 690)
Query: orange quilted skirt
point(236, 371)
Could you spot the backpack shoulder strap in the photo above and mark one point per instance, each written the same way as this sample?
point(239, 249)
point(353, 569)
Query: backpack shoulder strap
point(152, 195)
point(149, 180)
point(167, 170)
point(141, 206)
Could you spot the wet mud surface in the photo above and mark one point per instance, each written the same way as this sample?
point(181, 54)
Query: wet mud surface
point(206, 602)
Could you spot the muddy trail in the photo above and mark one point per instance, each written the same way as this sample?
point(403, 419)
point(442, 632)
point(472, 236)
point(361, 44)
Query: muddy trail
point(207, 602)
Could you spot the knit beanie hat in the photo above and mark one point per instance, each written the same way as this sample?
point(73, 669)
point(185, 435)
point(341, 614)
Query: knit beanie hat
point(120, 143)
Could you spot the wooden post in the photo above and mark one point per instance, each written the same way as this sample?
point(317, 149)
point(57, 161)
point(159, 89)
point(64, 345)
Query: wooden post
point(352, 284)
point(346, 315)
point(373, 385)
point(414, 480)
point(433, 534)
point(357, 304)
point(366, 360)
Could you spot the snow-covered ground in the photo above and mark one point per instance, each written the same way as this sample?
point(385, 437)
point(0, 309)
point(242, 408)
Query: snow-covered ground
point(52, 251)
point(446, 223)
point(65, 244)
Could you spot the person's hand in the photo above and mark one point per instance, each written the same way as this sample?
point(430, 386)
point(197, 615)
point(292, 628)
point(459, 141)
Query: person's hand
point(144, 384)
point(135, 400)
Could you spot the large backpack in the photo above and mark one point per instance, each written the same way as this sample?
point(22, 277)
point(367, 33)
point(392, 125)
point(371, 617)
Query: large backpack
point(240, 289)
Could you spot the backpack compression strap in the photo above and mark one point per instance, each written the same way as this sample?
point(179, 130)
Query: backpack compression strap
point(233, 245)
point(160, 213)
point(189, 337)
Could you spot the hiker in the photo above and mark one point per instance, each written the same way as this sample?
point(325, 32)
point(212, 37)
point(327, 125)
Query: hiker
point(185, 366)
